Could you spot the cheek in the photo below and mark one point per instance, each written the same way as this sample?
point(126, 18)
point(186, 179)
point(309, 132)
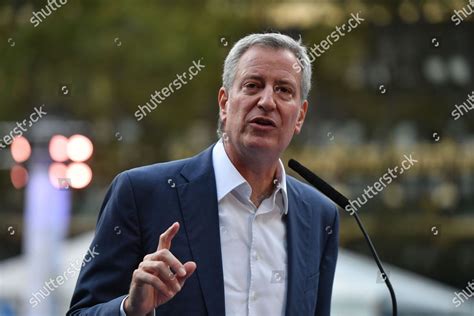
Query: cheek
point(234, 118)
point(239, 110)
point(290, 117)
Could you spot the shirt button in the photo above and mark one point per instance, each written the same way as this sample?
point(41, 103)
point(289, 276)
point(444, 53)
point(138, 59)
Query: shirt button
point(253, 296)
point(255, 255)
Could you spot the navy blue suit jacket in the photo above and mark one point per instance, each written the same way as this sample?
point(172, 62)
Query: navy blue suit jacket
point(142, 203)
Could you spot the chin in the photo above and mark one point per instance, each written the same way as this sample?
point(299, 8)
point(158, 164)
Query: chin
point(262, 142)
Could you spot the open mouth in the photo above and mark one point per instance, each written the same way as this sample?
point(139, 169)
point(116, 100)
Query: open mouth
point(262, 121)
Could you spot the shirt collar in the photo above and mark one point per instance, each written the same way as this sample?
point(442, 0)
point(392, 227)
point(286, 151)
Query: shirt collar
point(229, 178)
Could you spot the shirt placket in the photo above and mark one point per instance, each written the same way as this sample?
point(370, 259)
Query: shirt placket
point(253, 258)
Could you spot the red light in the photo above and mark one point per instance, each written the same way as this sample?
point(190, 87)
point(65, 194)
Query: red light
point(58, 148)
point(57, 175)
point(20, 149)
point(19, 176)
point(79, 148)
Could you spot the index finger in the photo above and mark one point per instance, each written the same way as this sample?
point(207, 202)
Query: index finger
point(167, 236)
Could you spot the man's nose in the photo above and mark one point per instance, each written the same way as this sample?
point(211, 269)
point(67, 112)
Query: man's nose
point(266, 101)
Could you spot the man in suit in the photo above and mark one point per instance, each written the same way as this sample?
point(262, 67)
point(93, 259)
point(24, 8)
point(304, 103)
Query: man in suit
point(226, 232)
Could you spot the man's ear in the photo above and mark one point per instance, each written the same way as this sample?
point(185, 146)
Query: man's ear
point(222, 98)
point(301, 116)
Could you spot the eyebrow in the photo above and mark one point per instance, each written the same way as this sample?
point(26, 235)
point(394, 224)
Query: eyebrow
point(285, 81)
point(255, 77)
point(260, 78)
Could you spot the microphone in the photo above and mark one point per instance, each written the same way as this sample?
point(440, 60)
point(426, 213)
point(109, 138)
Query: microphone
point(342, 201)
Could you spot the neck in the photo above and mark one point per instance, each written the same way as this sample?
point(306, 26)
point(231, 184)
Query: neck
point(259, 173)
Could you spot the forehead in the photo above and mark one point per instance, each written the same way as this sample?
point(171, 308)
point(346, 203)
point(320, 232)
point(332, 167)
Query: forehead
point(268, 61)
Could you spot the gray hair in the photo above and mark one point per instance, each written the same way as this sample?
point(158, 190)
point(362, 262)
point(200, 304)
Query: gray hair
point(272, 40)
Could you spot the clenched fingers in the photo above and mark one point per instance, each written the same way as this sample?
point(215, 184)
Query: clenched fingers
point(169, 259)
point(163, 272)
point(143, 277)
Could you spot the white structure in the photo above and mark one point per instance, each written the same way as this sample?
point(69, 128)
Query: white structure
point(359, 290)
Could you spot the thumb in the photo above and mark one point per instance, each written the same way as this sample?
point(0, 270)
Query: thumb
point(190, 267)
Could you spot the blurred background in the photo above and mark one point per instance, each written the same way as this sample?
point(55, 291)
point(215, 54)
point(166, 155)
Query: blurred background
point(385, 89)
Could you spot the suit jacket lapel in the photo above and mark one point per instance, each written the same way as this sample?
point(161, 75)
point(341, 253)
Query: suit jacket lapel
point(198, 201)
point(298, 228)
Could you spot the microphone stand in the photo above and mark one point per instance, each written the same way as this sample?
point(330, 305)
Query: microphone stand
point(342, 201)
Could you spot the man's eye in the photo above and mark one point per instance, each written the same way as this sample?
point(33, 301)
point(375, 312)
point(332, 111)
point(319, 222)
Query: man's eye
point(283, 90)
point(250, 85)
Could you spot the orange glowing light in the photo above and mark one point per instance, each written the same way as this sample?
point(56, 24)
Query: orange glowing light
point(57, 175)
point(20, 149)
point(58, 148)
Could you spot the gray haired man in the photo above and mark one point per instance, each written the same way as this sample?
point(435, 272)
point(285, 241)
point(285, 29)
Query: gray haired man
point(226, 232)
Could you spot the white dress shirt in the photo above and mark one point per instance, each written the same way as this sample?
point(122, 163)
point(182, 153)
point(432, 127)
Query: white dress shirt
point(253, 242)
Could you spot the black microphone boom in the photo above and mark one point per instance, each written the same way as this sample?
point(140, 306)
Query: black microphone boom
point(342, 201)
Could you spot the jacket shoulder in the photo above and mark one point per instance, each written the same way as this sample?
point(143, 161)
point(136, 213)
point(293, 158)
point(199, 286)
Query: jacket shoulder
point(158, 170)
point(148, 175)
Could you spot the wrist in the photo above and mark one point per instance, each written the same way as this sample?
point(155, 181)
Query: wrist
point(127, 309)
point(128, 312)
